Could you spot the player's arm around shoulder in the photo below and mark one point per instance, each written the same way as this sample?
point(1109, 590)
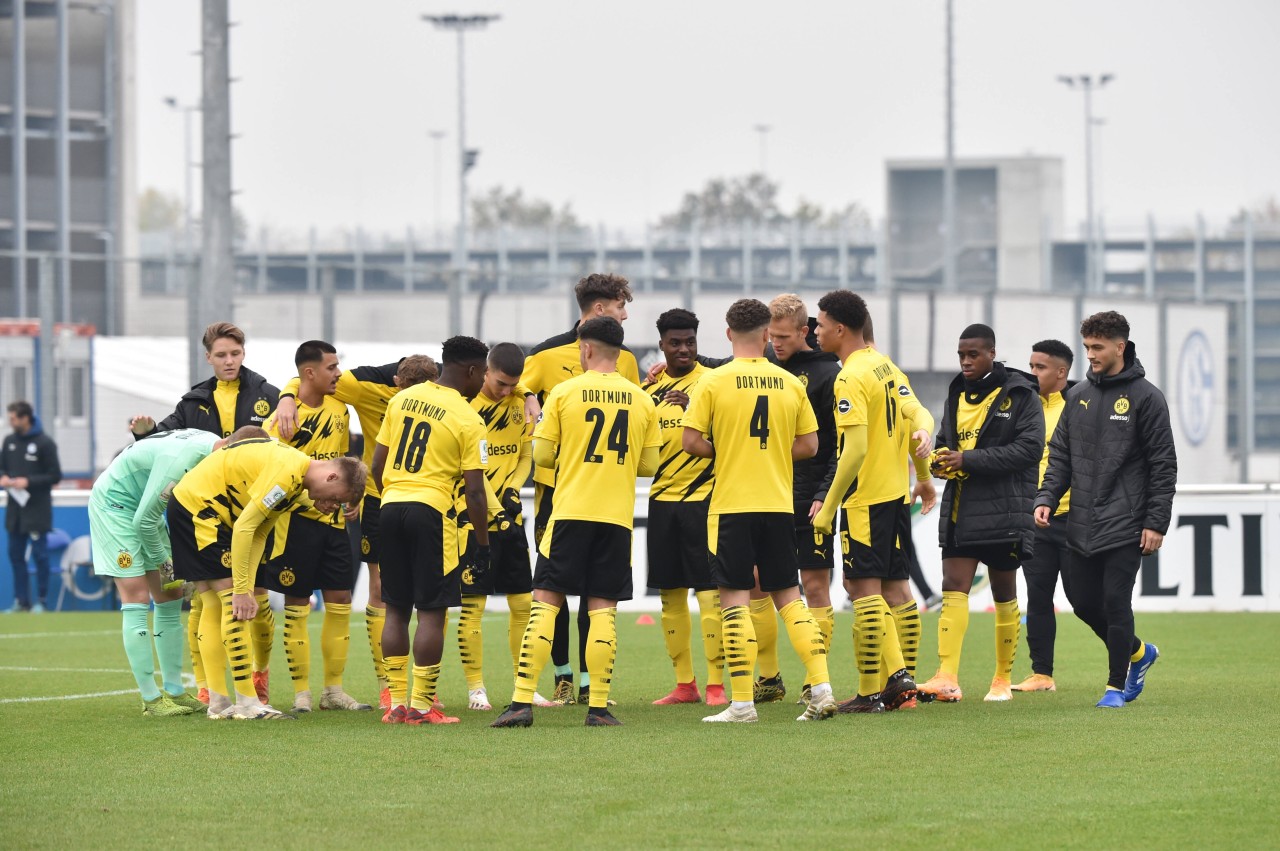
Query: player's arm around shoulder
point(698, 417)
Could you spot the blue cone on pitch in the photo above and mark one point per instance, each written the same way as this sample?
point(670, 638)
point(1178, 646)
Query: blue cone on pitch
point(1111, 699)
point(1137, 678)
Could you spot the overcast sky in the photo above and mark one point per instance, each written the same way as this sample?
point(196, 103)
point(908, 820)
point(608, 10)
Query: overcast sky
point(618, 108)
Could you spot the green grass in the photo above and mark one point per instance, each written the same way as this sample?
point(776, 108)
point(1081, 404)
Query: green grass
point(1198, 751)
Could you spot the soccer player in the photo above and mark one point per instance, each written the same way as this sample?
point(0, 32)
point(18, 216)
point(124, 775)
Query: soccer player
point(990, 443)
point(367, 389)
point(552, 361)
point(599, 432)
point(220, 518)
point(311, 551)
point(754, 419)
point(868, 484)
point(431, 439)
point(510, 442)
point(677, 530)
point(233, 398)
point(131, 544)
point(1113, 448)
point(1050, 362)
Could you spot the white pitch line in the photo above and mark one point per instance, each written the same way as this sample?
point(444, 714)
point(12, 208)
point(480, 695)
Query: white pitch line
point(57, 634)
point(68, 696)
point(66, 670)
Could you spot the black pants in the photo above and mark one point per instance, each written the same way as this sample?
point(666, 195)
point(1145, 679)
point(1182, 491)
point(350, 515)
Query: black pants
point(1101, 592)
point(1041, 572)
point(908, 545)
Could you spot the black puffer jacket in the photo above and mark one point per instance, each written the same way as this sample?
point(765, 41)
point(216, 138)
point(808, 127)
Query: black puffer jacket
point(254, 403)
point(34, 457)
point(817, 371)
point(996, 498)
point(1114, 448)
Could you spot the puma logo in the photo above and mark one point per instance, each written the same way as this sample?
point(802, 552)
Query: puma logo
point(1085, 402)
point(544, 638)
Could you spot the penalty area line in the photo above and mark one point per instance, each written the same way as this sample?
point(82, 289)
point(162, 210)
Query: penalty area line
point(68, 696)
point(58, 634)
point(33, 669)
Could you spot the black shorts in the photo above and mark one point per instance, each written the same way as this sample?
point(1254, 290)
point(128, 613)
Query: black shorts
point(995, 556)
point(542, 498)
point(370, 520)
point(586, 558)
point(201, 548)
point(509, 570)
point(677, 545)
point(869, 536)
point(316, 557)
point(813, 549)
point(741, 544)
point(419, 557)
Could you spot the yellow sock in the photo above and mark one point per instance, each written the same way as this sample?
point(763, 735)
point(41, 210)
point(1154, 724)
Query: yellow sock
point(740, 651)
point(807, 641)
point(212, 654)
point(297, 645)
point(712, 622)
point(1008, 627)
point(374, 621)
point(262, 632)
point(602, 652)
point(517, 620)
point(193, 640)
point(471, 640)
point(868, 642)
point(425, 678)
point(335, 641)
point(236, 643)
point(397, 668)
point(825, 618)
point(764, 621)
point(952, 625)
point(677, 631)
point(906, 619)
point(535, 650)
point(1139, 653)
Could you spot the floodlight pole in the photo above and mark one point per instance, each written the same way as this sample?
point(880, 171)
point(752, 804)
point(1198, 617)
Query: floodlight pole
point(763, 130)
point(949, 282)
point(1093, 266)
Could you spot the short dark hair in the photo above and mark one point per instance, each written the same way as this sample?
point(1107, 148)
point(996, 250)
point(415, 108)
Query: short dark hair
point(462, 349)
point(846, 307)
point(1108, 324)
point(416, 369)
point(601, 286)
point(217, 331)
point(22, 409)
point(978, 331)
point(602, 329)
point(507, 358)
point(1055, 349)
point(312, 351)
point(248, 433)
point(747, 314)
point(677, 319)
point(869, 331)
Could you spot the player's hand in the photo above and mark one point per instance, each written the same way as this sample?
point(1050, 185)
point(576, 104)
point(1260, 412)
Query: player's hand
point(676, 397)
point(532, 410)
point(654, 371)
point(1151, 541)
point(1042, 518)
point(243, 607)
point(927, 493)
point(512, 504)
point(925, 443)
point(814, 509)
point(4, 481)
point(19, 482)
point(142, 424)
point(479, 563)
point(951, 459)
point(823, 520)
point(286, 417)
point(352, 511)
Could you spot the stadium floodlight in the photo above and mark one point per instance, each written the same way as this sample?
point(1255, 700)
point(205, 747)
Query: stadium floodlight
point(1087, 83)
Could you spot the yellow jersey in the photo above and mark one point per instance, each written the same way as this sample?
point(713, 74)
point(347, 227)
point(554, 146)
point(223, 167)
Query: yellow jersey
point(324, 433)
point(908, 404)
point(556, 360)
point(226, 481)
point(600, 423)
point(224, 399)
point(681, 477)
point(866, 394)
point(1053, 408)
point(752, 411)
point(970, 415)
point(507, 434)
point(432, 436)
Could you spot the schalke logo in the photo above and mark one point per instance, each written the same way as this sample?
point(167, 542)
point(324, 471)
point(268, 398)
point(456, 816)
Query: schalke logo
point(1122, 406)
point(1195, 387)
point(287, 577)
point(261, 408)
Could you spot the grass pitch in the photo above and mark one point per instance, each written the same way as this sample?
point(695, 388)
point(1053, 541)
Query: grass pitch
point(1192, 763)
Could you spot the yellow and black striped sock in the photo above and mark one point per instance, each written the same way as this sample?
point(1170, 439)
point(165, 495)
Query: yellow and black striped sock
point(602, 652)
point(518, 606)
point(825, 618)
point(764, 624)
point(953, 623)
point(374, 621)
point(193, 640)
point(471, 639)
point(677, 631)
point(425, 678)
point(535, 650)
point(906, 619)
point(740, 651)
point(263, 633)
point(397, 668)
point(236, 642)
point(335, 641)
point(297, 646)
point(712, 622)
point(213, 655)
point(1008, 629)
point(868, 642)
point(806, 640)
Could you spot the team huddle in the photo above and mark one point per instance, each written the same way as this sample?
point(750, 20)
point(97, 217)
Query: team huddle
point(760, 463)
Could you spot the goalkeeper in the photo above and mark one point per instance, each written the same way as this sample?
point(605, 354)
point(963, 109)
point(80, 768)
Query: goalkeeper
point(130, 543)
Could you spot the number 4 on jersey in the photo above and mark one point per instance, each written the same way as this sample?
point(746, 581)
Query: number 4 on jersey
point(760, 421)
point(617, 440)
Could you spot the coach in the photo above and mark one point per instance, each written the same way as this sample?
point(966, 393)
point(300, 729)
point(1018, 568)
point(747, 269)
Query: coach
point(29, 469)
